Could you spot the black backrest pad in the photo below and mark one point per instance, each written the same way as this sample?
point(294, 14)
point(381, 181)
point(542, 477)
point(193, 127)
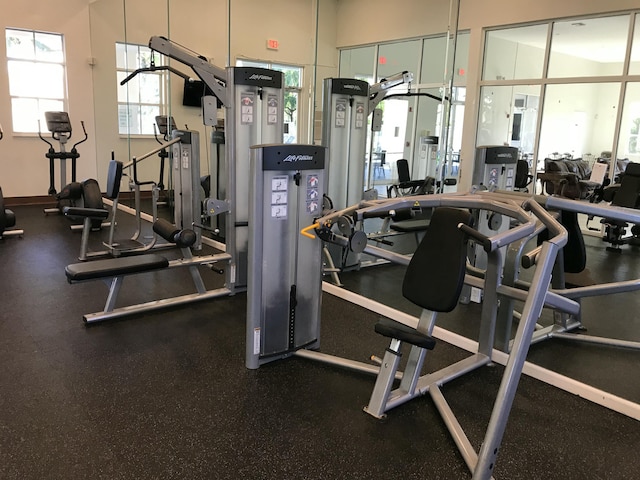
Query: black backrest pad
point(403, 170)
point(574, 252)
point(629, 191)
point(91, 193)
point(114, 177)
point(435, 274)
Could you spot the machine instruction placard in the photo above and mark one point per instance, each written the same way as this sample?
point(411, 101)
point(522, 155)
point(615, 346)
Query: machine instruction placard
point(341, 112)
point(313, 195)
point(359, 115)
point(279, 196)
point(247, 103)
point(272, 109)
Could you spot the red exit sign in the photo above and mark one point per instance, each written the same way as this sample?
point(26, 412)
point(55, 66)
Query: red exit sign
point(272, 44)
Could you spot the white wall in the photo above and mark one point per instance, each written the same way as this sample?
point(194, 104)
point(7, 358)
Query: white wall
point(91, 29)
point(342, 23)
point(24, 170)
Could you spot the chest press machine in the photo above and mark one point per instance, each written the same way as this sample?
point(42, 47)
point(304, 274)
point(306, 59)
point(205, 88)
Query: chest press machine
point(283, 317)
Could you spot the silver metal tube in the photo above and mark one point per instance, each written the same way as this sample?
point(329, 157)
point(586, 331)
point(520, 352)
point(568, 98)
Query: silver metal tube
point(152, 152)
point(154, 305)
point(455, 429)
point(341, 362)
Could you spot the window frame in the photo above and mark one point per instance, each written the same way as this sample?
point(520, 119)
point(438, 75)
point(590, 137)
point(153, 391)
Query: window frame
point(63, 101)
point(124, 129)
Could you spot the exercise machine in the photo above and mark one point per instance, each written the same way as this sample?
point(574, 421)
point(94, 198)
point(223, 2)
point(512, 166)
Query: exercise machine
point(283, 304)
point(253, 103)
point(570, 260)
point(113, 271)
point(136, 245)
point(8, 221)
point(347, 104)
point(626, 194)
point(73, 193)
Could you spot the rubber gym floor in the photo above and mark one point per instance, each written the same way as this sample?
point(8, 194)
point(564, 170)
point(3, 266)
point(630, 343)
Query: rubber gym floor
point(166, 395)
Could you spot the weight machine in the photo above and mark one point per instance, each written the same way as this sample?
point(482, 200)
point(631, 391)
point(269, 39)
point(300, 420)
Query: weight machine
point(253, 102)
point(284, 296)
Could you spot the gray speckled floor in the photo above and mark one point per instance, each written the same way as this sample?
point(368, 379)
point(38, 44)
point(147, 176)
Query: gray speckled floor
point(166, 395)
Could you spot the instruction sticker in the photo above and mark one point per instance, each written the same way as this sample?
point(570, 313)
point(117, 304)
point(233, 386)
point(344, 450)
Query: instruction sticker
point(279, 196)
point(272, 109)
point(359, 115)
point(341, 112)
point(247, 102)
point(313, 195)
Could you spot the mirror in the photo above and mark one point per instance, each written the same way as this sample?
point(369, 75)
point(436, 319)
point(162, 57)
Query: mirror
point(216, 30)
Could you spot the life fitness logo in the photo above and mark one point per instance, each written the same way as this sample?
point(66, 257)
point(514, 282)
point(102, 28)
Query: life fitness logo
point(257, 76)
point(298, 158)
point(350, 86)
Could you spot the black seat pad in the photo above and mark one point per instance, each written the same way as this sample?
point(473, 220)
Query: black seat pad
point(406, 226)
point(85, 212)
point(391, 328)
point(114, 267)
point(435, 274)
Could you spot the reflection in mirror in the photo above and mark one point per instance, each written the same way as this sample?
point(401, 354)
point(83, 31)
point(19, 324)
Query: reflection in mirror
point(515, 53)
point(591, 122)
point(126, 113)
point(588, 47)
point(629, 141)
point(634, 64)
point(411, 123)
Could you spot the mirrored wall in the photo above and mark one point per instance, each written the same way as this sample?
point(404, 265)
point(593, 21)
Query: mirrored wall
point(225, 33)
point(228, 33)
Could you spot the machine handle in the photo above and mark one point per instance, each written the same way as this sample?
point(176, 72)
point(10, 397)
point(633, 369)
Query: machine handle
point(529, 259)
point(42, 138)
point(481, 238)
point(305, 230)
point(85, 136)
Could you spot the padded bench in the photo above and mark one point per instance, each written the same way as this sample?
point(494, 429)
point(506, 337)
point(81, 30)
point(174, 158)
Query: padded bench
point(114, 267)
point(392, 329)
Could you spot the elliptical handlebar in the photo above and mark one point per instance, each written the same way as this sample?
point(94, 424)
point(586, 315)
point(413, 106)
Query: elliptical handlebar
point(44, 139)
point(86, 136)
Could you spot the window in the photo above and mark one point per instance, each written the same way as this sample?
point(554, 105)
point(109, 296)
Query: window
point(141, 98)
point(292, 89)
point(37, 84)
point(555, 88)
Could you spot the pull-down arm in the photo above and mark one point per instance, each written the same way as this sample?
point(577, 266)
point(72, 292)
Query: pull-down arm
point(214, 77)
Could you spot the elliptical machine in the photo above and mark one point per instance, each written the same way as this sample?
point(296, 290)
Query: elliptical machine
point(7, 217)
point(74, 194)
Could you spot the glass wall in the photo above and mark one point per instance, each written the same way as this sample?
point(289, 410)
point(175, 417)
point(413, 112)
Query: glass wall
point(629, 139)
point(574, 108)
point(409, 120)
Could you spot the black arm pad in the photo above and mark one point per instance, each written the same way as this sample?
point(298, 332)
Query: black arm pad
point(168, 231)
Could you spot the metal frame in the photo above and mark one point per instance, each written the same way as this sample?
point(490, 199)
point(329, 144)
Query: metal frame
point(565, 322)
point(412, 384)
point(115, 283)
point(232, 86)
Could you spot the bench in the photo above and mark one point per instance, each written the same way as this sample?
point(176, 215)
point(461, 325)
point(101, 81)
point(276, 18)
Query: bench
point(116, 269)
